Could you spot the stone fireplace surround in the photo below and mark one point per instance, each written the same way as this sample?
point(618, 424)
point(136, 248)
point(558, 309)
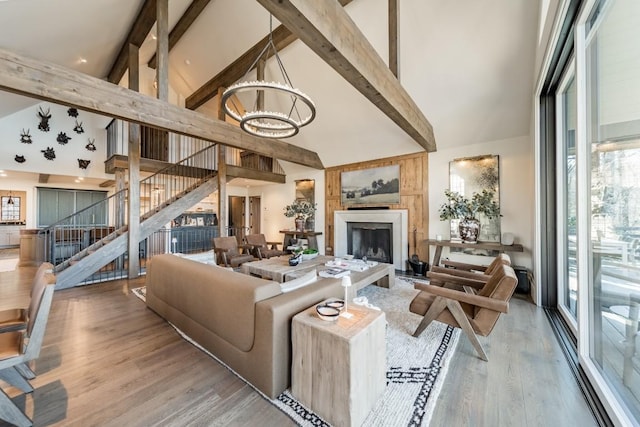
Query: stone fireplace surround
point(397, 217)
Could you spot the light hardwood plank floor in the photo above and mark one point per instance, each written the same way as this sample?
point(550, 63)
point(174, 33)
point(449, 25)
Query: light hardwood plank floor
point(109, 361)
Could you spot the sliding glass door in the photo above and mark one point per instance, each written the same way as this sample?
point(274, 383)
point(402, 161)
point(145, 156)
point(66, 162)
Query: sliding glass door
point(611, 209)
point(566, 217)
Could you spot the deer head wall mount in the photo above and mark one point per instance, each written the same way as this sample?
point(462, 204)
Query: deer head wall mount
point(19, 159)
point(44, 119)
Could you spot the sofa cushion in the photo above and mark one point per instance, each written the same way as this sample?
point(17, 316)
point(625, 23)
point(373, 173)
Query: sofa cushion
point(221, 300)
point(308, 278)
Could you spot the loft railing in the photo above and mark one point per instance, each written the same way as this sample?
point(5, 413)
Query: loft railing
point(170, 147)
point(86, 229)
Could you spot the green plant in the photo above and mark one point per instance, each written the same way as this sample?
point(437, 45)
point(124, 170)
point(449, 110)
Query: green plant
point(300, 208)
point(461, 207)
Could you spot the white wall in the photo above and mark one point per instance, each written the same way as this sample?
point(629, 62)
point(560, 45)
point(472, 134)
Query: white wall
point(276, 196)
point(66, 161)
point(516, 191)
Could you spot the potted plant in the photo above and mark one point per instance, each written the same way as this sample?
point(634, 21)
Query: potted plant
point(466, 210)
point(301, 210)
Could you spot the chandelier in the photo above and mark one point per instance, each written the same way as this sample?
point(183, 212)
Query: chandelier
point(279, 110)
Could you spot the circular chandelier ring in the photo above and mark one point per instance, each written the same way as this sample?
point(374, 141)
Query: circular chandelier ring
point(265, 86)
point(285, 128)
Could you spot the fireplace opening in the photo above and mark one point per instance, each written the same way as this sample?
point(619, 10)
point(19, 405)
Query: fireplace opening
point(373, 240)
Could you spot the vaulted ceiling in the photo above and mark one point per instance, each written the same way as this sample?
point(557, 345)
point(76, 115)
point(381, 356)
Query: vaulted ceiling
point(468, 65)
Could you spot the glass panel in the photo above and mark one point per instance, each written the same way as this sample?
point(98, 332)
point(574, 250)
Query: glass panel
point(613, 132)
point(567, 214)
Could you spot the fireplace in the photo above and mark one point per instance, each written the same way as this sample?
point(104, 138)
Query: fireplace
point(393, 220)
point(372, 240)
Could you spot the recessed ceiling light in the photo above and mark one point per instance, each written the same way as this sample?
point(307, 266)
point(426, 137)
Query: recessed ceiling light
point(83, 60)
point(187, 61)
point(80, 178)
point(153, 36)
point(3, 174)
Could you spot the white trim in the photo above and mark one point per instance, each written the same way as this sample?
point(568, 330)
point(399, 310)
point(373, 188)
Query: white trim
point(561, 196)
point(609, 396)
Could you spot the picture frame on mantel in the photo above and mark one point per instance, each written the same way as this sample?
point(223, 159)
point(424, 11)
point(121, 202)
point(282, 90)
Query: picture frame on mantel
point(473, 175)
point(373, 186)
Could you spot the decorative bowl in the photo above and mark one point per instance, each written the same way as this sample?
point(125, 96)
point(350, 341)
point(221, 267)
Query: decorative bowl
point(306, 257)
point(328, 313)
point(336, 303)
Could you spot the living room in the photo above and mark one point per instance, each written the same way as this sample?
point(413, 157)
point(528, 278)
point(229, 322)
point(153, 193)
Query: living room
point(476, 91)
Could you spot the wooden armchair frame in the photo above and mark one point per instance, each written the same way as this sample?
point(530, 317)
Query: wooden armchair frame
point(475, 314)
point(462, 274)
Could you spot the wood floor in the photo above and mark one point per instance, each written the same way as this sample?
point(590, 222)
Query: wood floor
point(109, 361)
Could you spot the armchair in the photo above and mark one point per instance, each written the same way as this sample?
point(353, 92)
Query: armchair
point(228, 253)
point(459, 274)
point(260, 248)
point(475, 314)
point(17, 348)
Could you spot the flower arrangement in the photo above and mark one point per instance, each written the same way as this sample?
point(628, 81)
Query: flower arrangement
point(300, 209)
point(461, 207)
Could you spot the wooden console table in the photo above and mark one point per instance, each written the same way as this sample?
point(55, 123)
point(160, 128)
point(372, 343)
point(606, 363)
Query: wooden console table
point(293, 234)
point(439, 244)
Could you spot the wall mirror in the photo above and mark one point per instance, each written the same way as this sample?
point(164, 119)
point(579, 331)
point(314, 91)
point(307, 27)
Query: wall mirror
point(305, 190)
point(472, 175)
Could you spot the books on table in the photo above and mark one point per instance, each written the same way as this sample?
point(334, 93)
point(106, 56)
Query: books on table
point(334, 273)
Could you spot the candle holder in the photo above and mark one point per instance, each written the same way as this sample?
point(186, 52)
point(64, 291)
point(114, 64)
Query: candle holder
point(346, 284)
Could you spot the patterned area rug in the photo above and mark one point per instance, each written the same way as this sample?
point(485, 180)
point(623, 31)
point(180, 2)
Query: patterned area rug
point(416, 366)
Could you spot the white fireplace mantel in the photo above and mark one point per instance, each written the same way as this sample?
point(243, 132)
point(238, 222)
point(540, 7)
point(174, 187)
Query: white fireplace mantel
point(399, 219)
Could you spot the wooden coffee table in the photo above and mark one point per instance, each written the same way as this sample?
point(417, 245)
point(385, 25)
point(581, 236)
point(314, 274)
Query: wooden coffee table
point(277, 268)
point(339, 368)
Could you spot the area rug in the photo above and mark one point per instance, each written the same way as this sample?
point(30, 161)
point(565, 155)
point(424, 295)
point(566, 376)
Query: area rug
point(416, 366)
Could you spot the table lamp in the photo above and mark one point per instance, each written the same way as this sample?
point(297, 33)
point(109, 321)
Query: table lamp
point(346, 284)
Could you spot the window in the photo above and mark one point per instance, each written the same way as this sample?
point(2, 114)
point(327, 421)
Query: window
point(55, 204)
point(10, 209)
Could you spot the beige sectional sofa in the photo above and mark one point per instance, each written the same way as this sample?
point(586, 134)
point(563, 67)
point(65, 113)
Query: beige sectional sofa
point(245, 321)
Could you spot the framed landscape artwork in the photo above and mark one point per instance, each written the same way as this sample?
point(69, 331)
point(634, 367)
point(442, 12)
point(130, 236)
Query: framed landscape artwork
point(472, 175)
point(374, 186)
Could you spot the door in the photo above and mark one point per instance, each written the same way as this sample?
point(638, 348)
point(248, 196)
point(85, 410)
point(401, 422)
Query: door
point(236, 216)
point(254, 215)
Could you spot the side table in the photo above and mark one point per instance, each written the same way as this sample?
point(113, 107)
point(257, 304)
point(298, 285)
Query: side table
point(339, 368)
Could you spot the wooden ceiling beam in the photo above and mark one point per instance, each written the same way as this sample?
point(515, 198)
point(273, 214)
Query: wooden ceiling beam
point(188, 18)
point(51, 82)
point(282, 38)
point(327, 29)
point(139, 30)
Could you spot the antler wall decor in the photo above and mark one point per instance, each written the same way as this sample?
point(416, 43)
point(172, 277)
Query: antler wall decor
point(49, 153)
point(63, 138)
point(73, 112)
point(19, 159)
point(91, 145)
point(78, 128)
point(44, 119)
point(83, 164)
point(25, 138)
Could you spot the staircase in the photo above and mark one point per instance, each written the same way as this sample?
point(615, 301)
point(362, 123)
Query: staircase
point(78, 247)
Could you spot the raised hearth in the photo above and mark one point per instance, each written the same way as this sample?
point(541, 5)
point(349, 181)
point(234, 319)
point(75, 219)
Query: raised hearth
point(398, 223)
